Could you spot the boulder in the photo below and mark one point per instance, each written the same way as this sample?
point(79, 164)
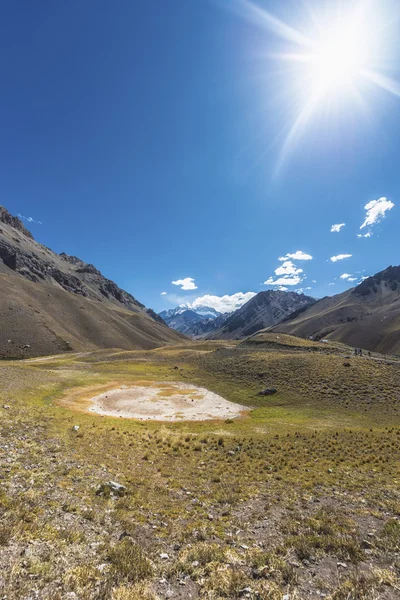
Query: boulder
point(267, 392)
point(111, 488)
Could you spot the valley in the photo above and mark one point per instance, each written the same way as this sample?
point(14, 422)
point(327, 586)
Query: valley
point(299, 497)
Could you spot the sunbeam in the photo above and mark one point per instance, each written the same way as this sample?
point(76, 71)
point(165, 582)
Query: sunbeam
point(326, 62)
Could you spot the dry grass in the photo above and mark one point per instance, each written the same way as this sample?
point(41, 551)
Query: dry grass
point(270, 503)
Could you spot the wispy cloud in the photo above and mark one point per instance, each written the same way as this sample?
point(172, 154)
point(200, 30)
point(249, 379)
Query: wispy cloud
point(376, 211)
point(186, 284)
point(223, 304)
point(336, 228)
point(163, 294)
point(30, 219)
point(340, 257)
point(298, 255)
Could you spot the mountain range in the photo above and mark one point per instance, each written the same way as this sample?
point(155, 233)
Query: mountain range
point(263, 310)
point(194, 322)
point(51, 303)
point(366, 316)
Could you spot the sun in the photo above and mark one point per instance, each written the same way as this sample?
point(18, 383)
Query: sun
point(333, 61)
point(339, 61)
point(341, 53)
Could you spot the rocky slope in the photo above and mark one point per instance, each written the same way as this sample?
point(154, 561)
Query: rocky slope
point(367, 316)
point(52, 302)
point(265, 309)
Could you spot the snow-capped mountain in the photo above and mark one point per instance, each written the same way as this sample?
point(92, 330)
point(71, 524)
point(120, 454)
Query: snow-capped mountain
point(191, 321)
point(202, 311)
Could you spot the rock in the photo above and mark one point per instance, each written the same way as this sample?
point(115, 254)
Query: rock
point(76, 428)
point(342, 565)
point(164, 556)
point(111, 488)
point(124, 534)
point(6, 406)
point(366, 544)
point(346, 364)
point(195, 563)
point(267, 392)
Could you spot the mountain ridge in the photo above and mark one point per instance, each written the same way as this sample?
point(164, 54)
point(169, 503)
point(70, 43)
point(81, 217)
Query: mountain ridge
point(52, 303)
point(263, 310)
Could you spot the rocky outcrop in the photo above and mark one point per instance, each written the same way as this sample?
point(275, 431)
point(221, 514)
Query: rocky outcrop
point(15, 222)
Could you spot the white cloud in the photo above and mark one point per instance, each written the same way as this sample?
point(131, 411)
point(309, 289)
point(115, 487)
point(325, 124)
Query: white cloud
point(285, 280)
point(366, 235)
point(163, 294)
point(30, 219)
point(348, 276)
point(288, 268)
point(282, 288)
point(222, 304)
point(298, 255)
point(376, 210)
point(340, 257)
point(331, 284)
point(336, 228)
point(186, 284)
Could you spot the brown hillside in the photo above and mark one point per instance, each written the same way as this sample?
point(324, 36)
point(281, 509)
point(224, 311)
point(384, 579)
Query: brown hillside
point(367, 316)
point(52, 303)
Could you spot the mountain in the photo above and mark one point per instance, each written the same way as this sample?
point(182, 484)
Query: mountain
point(51, 303)
point(192, 321)
point(367, 316)
point(263, 310)
point(201, 328)
point(201, 311)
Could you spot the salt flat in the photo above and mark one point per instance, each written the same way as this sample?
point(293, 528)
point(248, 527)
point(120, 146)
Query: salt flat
point(164, 402)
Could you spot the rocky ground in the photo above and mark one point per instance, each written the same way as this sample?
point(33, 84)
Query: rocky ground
point(298, 500)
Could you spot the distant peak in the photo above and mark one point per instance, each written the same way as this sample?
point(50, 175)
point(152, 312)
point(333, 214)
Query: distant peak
point(7, 218)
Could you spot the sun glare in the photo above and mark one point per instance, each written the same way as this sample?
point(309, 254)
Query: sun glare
point(329, 61)
point(339, 61)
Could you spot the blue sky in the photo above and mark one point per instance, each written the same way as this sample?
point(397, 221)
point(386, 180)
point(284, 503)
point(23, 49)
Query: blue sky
point(152, 139)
